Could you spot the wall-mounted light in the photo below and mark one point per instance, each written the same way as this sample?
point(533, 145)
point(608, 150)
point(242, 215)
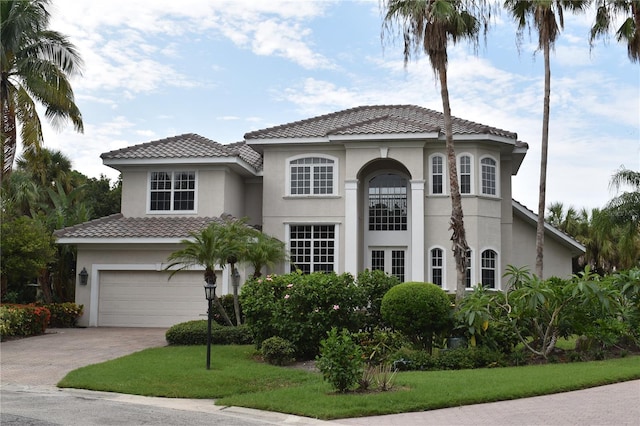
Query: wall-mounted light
point(84, 276)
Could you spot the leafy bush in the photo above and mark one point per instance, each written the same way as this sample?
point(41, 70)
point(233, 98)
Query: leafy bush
point(378, 346)
point(419, 310)
point(227, 304)
point(340, 360)
point(374, 285)
point(23, 320)
point(195, 333)
point(301, 307)
point(64, 315)
point(406, 359)
point(277, 351)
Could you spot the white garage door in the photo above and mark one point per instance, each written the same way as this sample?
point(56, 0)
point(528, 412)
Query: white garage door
point(149, 299)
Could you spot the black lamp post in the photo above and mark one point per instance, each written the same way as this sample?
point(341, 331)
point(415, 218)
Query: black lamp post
point(209, 292)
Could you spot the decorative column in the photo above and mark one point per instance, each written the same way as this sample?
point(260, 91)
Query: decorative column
point(351, 226)
point(417, 230)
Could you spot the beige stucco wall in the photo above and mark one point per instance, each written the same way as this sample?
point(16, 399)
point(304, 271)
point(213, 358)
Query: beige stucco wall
point(219, 190)
point(557, 258)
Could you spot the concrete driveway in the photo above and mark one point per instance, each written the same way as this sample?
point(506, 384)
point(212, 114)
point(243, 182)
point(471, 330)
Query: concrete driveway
point(45, 360)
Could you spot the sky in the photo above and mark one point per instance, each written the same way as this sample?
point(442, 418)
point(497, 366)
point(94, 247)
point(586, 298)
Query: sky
point(159, 68)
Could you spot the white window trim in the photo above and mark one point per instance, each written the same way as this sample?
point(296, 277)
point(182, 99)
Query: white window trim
point(472, 172)
point(288, 161)
point(445, 178)
point(336, 246)
point(497, 195)
point(473, 280)
point(171, 211)
point(443, 267)
point(498, 285)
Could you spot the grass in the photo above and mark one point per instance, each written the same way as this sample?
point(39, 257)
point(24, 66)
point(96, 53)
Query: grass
point(237, 379)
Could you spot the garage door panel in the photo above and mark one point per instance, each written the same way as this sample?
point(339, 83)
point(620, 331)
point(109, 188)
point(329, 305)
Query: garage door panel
point(148, 299)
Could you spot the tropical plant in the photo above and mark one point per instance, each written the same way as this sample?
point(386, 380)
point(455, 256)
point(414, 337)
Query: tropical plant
point(264, 251)
point(546, 17)
point(207, 248)
point(36, 64)
point(340, 360)
point(629, 30)
point(429, 26)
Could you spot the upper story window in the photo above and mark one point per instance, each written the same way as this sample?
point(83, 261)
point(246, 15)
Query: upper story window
point(312, 176)
point(388, 203)
point(172, 191)
point(488, 270)
point(465, 174)
point(488, 166)
point(437, 174)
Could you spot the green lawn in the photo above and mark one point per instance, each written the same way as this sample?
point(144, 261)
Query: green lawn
point(237, 379)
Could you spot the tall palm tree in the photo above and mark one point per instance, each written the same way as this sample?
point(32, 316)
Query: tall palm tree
point(626, 206)
point(629, 30)
point(265, 250)
point(429, 26)
point(35, 66)
point(546, 17)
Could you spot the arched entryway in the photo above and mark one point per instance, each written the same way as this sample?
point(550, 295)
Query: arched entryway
point(386, 217)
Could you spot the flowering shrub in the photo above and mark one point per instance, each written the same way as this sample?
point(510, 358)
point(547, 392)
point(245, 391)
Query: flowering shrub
point(64, 315)
point(23, 320)
point(301, 308)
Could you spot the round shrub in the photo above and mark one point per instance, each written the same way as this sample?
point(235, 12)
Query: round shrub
point(278, 351)
point(418, 310)
point(195, 333)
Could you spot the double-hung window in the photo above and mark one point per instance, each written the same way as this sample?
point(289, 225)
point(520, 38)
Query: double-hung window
point(488, 269)
point(437, 174)
point(312, 248)
point(437, 266)
point(172, 191)
point(488, 166)
point(465, 174)
point(312, 176)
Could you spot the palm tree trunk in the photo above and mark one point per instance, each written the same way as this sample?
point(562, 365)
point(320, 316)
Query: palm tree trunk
point(235, 277)
point(543, 163)
point(458, 237)
point(9, 133)
point(210, 275)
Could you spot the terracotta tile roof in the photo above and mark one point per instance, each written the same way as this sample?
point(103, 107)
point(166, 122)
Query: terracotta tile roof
point(118, 226)
point(188, 145)
point(378, 119)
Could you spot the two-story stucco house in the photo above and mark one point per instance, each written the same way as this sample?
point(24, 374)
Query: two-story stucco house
point(361, 188)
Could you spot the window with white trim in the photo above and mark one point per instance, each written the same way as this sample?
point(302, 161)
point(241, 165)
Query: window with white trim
point(397, 264)
point(488, 171)
point(488, 268)
point(312, 248)
point(437, 174)
point(437, 266)
point(465, 174)
point(172, 191)
point(312, 176)
point(469, 274)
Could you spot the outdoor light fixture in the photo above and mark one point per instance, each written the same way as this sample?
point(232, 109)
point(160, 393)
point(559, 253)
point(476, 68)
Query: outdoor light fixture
point(84, 276)
point(210, 294)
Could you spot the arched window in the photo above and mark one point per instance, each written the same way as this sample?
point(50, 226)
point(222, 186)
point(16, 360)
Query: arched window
point(465, 174)
point(312, 176)
point(488, 269)
point(437, 174)
point(388, 203)
point(488, 166)
point(437, 266)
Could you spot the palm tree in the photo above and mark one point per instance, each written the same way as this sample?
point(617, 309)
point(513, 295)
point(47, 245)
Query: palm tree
point(264, 250)
point(546, 17)
point(36, 64)
point(626, 206)
point(628, 32)
point(206, 248)
point(429, 25)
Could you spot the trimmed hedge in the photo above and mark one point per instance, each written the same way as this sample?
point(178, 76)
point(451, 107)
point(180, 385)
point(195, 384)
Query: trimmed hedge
point(23, 320)
point(64, 315)
point(195, 333)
